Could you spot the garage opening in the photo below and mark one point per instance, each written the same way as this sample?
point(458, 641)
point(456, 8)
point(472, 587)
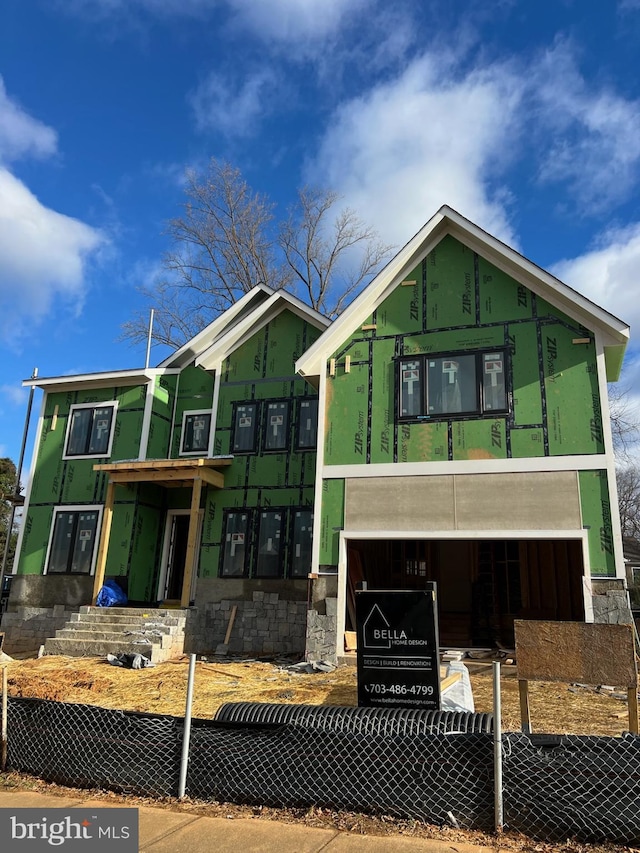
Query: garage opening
point(483, 585)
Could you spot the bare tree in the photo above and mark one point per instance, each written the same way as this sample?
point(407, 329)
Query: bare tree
point(628, 481)
point(222, 248)
point(330, 259)
point(625, 429)
point(226, 242)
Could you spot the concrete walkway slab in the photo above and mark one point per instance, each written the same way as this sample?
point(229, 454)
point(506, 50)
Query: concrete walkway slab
point(250, 836)
point(153, 824)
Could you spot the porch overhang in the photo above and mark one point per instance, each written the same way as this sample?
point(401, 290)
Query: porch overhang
point(169, 473)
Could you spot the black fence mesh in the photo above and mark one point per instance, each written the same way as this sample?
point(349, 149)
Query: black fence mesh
point(438, 778)
point(84, 746)
point(570, 786)
point(554, 787)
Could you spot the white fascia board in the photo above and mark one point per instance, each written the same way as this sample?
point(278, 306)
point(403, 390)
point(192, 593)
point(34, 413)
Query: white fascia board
point(250, 325)
point(448, 221)
point(182, 356)
point(597, 462)
point(537, 279)
point(97, 380)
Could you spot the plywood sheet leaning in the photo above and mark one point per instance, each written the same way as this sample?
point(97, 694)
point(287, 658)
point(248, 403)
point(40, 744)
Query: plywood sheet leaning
point(576, 652)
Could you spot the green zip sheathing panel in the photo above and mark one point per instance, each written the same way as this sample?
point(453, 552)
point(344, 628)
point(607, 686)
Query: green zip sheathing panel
point(331, 521)
point(501, 299)
point(527, 390)
point(479, 439)
point(35, 540)
point(401, 312)
point(571, 385)
point(596, 519)
point(194, 392)
point(451, 298)
point(164, 392)
point(260, 370)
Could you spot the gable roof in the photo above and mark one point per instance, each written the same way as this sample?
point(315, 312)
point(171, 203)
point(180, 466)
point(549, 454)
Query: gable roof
point(615, 333)
point(218, 327)
point(248, 325)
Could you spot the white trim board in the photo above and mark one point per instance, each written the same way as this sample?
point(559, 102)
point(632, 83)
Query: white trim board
point(597, 462)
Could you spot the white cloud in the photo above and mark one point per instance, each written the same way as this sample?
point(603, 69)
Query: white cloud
point(608, 274)
point(233, 106)
point(15, 394)
point(289, 20)
point(590, 138)
point(43, 255)
point(422, 140)
point(20, 134)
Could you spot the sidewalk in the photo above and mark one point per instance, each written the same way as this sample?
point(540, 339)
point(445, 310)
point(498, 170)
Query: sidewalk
point(165, 831)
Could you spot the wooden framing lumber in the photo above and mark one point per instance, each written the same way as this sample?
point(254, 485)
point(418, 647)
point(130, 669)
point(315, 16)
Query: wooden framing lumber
point(192, 541)
point(103, 547)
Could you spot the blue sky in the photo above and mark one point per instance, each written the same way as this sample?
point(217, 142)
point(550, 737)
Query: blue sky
point(523, 116)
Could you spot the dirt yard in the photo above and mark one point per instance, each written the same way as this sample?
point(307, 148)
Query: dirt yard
point(161, 689)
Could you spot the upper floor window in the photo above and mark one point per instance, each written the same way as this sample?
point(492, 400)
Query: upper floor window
point(196, 427)
point(307, 424)
point(90, 431)
point(73, 539)
point(276, 428)
point(452, 384)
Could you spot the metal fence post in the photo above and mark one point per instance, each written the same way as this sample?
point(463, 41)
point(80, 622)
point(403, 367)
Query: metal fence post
point(497, 748)
point(3, 755)
point(186, 737)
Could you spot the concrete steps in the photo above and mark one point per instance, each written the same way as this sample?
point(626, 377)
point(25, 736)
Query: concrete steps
point(158, 634)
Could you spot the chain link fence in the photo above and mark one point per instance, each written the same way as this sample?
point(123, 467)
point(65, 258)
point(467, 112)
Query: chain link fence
point(554, 787)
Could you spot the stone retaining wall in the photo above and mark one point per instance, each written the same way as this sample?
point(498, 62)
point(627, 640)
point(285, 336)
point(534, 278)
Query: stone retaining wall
point(266, 625)
point(26, 628)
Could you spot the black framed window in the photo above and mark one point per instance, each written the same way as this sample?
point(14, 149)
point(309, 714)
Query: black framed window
point(73, 541)
point(270, 558)
point(90, 430)
point(236, 545)
point(307, 437)
point(276, 426)
point(452, 384)
point(196, 427)
point(245, 428)
point(302, 540)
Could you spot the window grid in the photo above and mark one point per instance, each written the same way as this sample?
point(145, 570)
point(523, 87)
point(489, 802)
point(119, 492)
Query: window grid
point(445, 386)
point(267, 543)
point(90, 430)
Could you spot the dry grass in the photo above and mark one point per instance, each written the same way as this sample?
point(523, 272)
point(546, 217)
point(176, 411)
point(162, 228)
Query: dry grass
point(162, 690)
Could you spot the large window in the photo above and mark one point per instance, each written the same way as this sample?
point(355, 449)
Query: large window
point(267, 543)
point(73, 540)
point(276, 428)
point(270, 556)
point(307, 424)
point(195, 432)
point(453, 384)
point(302, 543)
point(235, 549)
point(245, 426)
point(90, 430)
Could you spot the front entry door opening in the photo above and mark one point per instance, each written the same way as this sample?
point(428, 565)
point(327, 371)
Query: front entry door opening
point(483, 585)
point(175, 555)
